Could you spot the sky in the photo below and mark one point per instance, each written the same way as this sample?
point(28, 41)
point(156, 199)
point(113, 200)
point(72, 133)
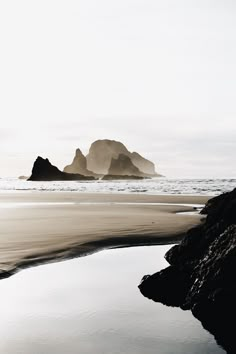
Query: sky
point(158, 75)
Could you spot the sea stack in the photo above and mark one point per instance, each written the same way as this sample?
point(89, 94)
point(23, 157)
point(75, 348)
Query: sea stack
point(123, 165)
point(79, 165)
point(103, 153)
point(43, 170)
point(144, 165)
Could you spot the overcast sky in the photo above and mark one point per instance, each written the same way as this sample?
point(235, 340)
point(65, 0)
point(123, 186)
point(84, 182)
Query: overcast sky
point(158, 75)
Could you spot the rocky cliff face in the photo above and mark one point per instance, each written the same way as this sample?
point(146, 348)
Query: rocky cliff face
point(202, 272)
point(123, 165)
point(79, 165)
point(102, 152)
point(143, 164)
point(43, 170)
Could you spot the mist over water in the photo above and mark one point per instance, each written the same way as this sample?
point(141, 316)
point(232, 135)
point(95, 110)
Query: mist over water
point(149, 186)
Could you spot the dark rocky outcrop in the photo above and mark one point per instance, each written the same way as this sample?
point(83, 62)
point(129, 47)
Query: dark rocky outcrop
point(202, 272)
point(43, 170)
point(79, 165)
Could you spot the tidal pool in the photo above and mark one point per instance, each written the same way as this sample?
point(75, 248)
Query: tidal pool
point(92, 305)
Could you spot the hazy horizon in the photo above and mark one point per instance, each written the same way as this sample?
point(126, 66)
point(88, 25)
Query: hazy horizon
point(159, 76)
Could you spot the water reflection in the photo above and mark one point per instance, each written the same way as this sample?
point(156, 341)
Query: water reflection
point(167, 287)
point(91, 305)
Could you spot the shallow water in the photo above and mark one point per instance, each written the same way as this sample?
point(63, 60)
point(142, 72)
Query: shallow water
point(193, 186)
point(92, 305)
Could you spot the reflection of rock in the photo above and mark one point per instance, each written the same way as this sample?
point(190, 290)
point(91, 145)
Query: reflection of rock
point(123, 166)
point(202, 272)
point(43, 170)
point(102, 152)
point(79, 165)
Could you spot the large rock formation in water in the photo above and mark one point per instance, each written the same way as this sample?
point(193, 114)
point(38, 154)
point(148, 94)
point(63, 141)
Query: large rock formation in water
point(144, 165)
point(43, 170)
point(79, 165)
point(106, 157)
point(123, 165)
point(202, 272)
point(102, 152)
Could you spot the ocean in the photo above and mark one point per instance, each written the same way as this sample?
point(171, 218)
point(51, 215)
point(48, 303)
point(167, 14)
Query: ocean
point(186, 186)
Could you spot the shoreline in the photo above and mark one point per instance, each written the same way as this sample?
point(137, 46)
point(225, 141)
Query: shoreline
point(93, 247)
point(65, 225)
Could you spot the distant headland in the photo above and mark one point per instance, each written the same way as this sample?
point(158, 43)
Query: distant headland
point(107, 159)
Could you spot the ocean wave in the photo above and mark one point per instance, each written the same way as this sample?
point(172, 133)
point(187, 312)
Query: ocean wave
point(150, 186)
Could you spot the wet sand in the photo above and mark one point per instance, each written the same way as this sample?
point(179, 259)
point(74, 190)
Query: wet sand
point(37, 227)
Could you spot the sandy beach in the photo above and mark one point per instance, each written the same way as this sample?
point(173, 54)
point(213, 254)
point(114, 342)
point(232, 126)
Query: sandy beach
point(37, 227)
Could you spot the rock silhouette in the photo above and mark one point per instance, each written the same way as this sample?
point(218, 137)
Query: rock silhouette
point(123, 165)
point(43, 170)
point(79, 165)
point(106, 158)
point(202, 272)
point(144, 165)
point(102, 152)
